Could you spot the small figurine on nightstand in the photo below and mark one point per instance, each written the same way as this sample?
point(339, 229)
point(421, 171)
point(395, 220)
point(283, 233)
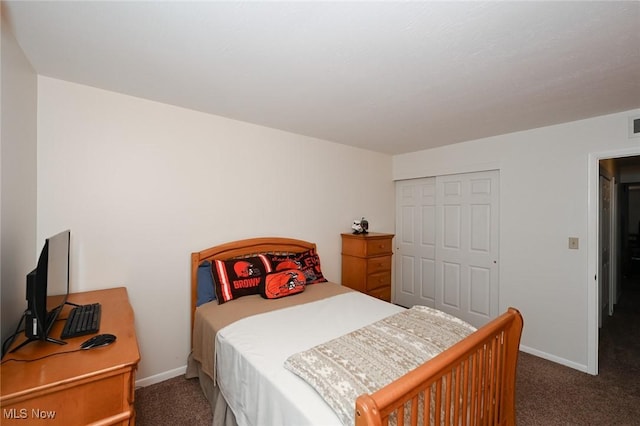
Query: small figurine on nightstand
point(360, 226)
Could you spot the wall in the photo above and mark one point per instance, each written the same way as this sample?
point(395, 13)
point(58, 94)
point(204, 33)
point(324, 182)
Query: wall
point(141, 185)
point(18, 252)
point(545, 198)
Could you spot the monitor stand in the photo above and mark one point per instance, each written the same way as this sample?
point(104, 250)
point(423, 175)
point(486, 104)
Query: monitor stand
point(46, 339)
point(32, 339)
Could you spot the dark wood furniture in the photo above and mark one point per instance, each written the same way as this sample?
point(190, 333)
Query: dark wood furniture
point(71, 386)
point(366, 263)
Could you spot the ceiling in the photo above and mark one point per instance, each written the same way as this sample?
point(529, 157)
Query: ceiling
point(392, 77)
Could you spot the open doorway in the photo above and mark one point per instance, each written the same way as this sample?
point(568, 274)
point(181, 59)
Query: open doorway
point(629, 234)
point(619, 273)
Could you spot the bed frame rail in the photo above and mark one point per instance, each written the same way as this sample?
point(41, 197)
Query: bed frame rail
point(471, 383)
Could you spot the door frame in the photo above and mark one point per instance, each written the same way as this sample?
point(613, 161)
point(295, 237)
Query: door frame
point(593, 248)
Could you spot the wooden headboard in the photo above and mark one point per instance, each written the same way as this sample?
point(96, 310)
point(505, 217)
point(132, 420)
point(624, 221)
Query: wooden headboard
point(242, 248)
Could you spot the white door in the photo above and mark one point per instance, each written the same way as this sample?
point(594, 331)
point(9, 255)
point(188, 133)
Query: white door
point(447, 244)
point(467, 217)
point(415, 240)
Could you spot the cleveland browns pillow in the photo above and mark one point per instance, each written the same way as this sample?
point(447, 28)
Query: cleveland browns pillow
point(239, 277)
point(308, 262)
point(283, 283)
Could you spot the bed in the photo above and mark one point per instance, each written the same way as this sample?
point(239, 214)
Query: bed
point(252, 354)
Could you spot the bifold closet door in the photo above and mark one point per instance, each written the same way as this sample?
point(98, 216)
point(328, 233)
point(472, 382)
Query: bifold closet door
point(467, 282)
point(447, 244)
point(415, 240)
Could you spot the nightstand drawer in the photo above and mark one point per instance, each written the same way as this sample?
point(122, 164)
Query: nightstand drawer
point(365, 245)
point(378, 264)
point(378, 246)
point(379, 279)
point(383, 293)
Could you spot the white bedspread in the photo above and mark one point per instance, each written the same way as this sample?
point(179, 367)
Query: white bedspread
point(250, 356)
point(373, 356)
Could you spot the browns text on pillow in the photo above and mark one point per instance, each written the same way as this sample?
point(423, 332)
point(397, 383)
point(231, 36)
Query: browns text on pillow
point(239, 277)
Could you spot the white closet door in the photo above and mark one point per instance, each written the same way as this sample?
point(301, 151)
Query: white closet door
point(415, 240)
point(467, 245)
point(447, 244)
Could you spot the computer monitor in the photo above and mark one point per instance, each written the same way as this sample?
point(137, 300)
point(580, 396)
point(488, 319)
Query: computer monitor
point(48, 288)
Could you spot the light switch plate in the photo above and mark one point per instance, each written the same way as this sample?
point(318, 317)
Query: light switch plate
point(573, 243)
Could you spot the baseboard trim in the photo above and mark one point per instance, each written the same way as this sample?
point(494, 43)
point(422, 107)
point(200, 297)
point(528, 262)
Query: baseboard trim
point(556, 359)
point(161, 377)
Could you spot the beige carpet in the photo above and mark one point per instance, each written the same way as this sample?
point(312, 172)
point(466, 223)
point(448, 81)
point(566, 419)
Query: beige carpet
point(174, 402)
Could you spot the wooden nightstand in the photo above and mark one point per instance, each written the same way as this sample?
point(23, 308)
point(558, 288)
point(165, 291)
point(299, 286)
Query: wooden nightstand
point(75, 388)
point(366, 263)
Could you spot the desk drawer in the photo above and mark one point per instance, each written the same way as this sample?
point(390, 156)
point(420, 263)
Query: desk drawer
point(78, 402)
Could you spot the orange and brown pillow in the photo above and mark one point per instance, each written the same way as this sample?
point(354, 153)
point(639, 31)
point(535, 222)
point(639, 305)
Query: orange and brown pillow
point(308, 262)
point(239, 277)
point(283, 283)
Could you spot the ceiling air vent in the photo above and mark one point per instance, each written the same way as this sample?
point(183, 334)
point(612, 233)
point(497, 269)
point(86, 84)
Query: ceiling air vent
point(634, 127)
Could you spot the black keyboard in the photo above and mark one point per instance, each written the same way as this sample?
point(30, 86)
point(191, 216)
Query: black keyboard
point(83, 319)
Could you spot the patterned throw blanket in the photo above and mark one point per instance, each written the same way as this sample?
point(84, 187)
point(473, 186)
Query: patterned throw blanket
point(367, 359)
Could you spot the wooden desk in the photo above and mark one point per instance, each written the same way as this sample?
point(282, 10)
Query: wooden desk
point(72, 386)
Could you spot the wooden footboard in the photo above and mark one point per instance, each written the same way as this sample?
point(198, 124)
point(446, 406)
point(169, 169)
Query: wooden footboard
point(471, 383)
